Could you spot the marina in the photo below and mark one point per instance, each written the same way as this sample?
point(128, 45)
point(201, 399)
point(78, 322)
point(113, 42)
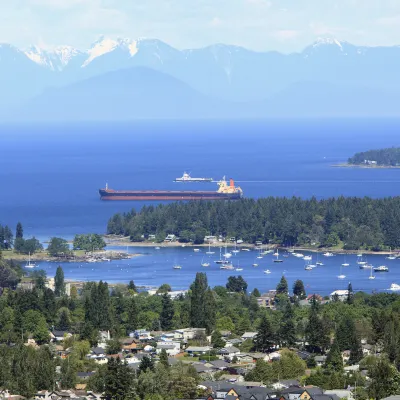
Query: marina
point(154, 267)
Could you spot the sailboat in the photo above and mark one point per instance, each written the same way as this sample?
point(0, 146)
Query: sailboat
point(238, 267)
point(236, 250)
point(277, 257)
point(319, 263)
point(341, 276)
point(29, 265)
point(220, 261)
point(370, 275)
point(209, 250)
point(391, 256)
point(259, 254)
point(345, 264)
point(227, 254)
point(360, 260)
point(205, 264)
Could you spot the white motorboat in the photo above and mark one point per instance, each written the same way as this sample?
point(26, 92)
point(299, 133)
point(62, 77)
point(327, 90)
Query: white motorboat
point(267, 271)
point(245, 249)
point(328, 254)
point(255, 265)
point(239, 269)
point(187, 178)
point(308, 268)
point(381, 268)
point(206, 264)
point(196, 250)
point(177, 267)
point(307, 258)
point(298, 255)
point(394, 287)
point(157, 248)
point(319, 263)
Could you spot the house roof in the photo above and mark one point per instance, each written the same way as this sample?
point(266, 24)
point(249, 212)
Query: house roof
point(200, 367)
point(313, 391)
point(84, 374)
point(320, 358)
point(59, 333)
point(219, 364)
point(290, 382)
point(98, 350)
point(249, 335)
point(229, 350)
point(198, 348)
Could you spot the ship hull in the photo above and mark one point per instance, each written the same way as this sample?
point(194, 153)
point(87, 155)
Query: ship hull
point(165, 195)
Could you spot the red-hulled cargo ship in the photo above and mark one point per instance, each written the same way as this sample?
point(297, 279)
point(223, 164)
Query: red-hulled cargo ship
point(224, 192)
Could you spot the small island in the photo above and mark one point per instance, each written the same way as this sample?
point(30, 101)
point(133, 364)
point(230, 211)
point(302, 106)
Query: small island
point(381, 158)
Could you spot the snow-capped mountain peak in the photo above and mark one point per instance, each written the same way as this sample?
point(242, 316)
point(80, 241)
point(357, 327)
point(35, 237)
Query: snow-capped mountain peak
point(328, 41)
point(56, 59)
point(107, 45)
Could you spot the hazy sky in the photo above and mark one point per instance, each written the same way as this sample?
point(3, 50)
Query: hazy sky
point(284, 25)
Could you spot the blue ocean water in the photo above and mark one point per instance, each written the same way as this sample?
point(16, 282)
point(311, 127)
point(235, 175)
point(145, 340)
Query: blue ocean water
point(50, 174)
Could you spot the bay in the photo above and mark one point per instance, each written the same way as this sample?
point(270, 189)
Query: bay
point(50, 176)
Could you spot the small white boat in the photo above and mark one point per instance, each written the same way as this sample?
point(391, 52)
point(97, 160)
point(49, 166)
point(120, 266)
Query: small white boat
point(381, 268)
point(328, 254)
point(205, 264)
point(359, 255)
point(157, 248)
point(298, 255)
point(239, 269)
point(255, 265)
point(394, 287)
point(267, 271)
point(276, 254)
point(308, 268)
point(366, 266)
point(245, 249)
point(106, 259)
point(259, 257)
point(196, 250)
point(345, 265)
point(227, 266)
point(307, 258)
point(341, 276)
point(391, 256)
point(319, 263)
point(177, 267)
point(312, 266)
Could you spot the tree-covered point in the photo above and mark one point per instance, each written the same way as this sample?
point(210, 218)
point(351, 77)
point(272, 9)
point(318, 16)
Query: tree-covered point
point(353, 223)
point(383, 157)
point(89, 242)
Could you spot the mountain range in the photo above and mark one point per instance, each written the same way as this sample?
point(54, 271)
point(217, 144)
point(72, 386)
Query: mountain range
point(147, 78)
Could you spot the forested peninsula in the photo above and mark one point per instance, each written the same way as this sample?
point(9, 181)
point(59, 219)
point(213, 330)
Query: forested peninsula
point(389, 157)
point(348, 223)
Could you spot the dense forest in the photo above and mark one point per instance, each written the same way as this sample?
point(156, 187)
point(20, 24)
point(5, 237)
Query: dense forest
point(33, 313)
point(354, 223)
point(389, 157)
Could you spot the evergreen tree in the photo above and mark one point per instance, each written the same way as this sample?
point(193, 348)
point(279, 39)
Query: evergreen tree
point(119, 381)
point(256, 293)
point(282, 287)
point(210, 311)
point(167, 312)
point(287, 329)
point(299, 290)
point(356, 352)
point(385, 379)
point(164, 358)
point(334, 360)
point(132, 314)
point(264, 339)
point(19, 232)
point(132, 286)
point(344, 333)
point(146, 364)
point(68, 373)
point(316, 333)
point(197, 300)
point(350, 294)
point(59, 284)
point(236, 284)
point(216, 340)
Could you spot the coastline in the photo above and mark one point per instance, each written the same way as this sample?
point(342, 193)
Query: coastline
point(363, 166)
point(124, 242)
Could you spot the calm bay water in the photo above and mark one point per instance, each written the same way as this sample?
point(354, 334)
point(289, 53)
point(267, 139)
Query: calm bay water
point(50, 176)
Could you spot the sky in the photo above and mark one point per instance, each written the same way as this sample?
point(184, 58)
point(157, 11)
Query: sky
point(263, 25)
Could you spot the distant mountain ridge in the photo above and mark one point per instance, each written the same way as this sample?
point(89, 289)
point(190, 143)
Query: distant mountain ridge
point(220, 73)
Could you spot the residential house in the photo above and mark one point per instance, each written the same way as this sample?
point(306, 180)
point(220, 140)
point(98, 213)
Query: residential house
point(320, 360)
point(245, 358)
point(285, 384)
point(229, 352)
point(342, 295)
point(132, 359)
point(142, 335)
point(188, 333)
point(59, 336)
point(233, 342)
point(104, 337)
point(249, 335)
point(84, 375)
point(219, 364)
point(170, 238)
point(232, 378)
point(193, 350)
point(172, 348)
point(203, 368)
point(341, 394)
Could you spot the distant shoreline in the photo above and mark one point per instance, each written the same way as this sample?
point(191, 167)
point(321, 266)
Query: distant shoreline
point(124, 241)
point(366, 166)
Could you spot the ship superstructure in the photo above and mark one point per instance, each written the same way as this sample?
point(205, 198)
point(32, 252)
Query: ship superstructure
point(224, 192)
point(187, 178)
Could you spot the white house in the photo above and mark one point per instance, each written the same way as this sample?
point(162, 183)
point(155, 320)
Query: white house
point(342, 295)
point(172, 348)
point(229, 352)
point(188, 333)
point(249, 335)
point(198, 350)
